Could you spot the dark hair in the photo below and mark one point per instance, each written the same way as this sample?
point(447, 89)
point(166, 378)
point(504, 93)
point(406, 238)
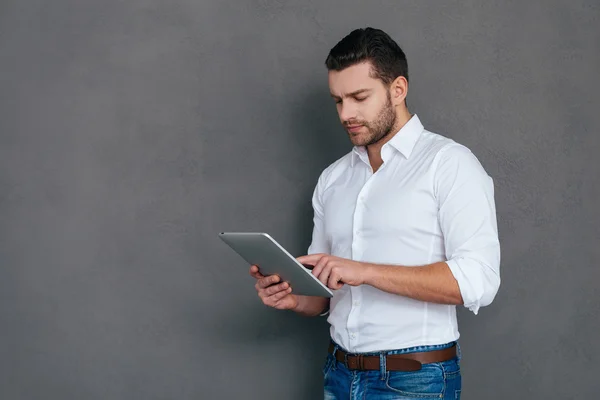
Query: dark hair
point(369, 44)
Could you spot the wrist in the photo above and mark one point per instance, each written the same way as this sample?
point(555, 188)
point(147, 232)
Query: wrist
point(310, 306)
point(299, 306)
point(325, 311)
point(369, 273)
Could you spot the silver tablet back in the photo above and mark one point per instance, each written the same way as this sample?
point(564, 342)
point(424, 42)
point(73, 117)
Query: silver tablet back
point(258, 248)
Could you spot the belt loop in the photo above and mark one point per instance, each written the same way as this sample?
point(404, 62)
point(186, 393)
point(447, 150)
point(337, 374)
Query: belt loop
point(346, 359)
point(382, 365)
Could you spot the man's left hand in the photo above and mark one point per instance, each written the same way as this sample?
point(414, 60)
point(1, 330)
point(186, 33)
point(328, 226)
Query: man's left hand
point(333, 271)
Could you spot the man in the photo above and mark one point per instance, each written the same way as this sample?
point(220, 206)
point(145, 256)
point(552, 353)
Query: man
point(404, 230)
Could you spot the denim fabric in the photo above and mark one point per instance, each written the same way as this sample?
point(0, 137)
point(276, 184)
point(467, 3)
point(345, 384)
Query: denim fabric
point(434, 381)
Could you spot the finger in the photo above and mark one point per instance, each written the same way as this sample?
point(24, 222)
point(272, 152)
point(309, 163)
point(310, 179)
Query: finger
point(334, 280)
point(267, 281)
point(324, 275)
point(272, 300)
point(273, 289)
point(278, 296)
point(254, 272)
point(310, 259)
point(285, 303)
point(319, 266)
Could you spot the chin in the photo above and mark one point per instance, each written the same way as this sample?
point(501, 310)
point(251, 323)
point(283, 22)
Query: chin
point(361, 141)
point(358, 140)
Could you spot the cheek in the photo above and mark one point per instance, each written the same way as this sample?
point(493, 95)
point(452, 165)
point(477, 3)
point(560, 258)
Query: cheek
point(369, 112)
point(375, 110)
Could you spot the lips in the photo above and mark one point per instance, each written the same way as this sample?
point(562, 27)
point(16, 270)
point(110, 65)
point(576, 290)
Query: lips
point(354, 128)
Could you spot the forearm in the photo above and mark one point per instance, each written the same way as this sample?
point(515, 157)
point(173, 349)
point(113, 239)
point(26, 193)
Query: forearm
point(432, 283)
point(311, 306)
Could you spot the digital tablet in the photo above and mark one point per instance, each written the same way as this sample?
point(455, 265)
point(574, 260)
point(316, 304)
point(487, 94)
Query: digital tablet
point(272, 259)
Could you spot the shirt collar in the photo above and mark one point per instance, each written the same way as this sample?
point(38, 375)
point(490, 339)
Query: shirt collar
point(404, 140)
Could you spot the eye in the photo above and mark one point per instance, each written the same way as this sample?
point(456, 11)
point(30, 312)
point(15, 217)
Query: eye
point(359, 99)
point(338, 102)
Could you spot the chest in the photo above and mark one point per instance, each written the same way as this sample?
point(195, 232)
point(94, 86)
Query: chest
point(396, 199)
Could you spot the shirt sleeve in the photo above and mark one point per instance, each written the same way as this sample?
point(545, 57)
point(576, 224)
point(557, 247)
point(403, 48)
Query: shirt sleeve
point(467, 216)
point(319, 242)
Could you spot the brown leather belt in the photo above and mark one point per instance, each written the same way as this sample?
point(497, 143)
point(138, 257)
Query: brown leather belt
point(393, 362)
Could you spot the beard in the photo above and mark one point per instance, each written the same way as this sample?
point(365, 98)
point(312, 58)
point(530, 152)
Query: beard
point(377, 129)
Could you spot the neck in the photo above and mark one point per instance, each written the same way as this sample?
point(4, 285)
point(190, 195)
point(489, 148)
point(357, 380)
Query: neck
point(374, 150)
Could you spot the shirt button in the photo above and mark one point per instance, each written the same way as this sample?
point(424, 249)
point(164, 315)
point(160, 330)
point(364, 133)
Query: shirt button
point(357, 303)
point(352, 335)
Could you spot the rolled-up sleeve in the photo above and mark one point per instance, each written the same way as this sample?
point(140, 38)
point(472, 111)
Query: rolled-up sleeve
point(467, 216)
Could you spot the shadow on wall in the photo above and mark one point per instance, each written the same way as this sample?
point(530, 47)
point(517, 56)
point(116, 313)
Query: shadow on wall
point(318, 140)
point(322, 140)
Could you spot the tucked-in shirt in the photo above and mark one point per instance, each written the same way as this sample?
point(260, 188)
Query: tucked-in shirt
point(430, 201)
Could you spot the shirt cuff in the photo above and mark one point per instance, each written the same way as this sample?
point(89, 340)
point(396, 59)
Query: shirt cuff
point(325, 312)
point(469, 291)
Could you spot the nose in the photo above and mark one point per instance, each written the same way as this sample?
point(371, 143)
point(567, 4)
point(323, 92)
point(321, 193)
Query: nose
point(346, 111)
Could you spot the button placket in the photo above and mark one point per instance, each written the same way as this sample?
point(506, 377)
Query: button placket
point(358, 214)
point(352, 324)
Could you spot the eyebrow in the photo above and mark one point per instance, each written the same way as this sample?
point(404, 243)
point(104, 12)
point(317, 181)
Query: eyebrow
point(356, 92)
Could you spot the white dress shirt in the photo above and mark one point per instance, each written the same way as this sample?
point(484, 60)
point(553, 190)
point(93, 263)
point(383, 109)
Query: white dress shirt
point(430, 201)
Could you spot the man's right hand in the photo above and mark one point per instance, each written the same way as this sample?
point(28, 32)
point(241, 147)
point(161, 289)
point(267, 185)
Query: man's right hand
point(272, 292)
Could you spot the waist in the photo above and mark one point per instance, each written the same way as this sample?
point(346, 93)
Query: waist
point(369, 320)
point(394, 361)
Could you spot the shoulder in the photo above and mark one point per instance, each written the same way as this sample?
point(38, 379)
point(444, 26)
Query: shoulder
point(335, 169)
point(446, 153)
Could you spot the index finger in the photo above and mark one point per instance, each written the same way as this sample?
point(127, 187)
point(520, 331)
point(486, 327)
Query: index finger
point(311, 259)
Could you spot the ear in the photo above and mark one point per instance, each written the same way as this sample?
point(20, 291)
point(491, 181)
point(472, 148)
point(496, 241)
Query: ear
point(399, 90)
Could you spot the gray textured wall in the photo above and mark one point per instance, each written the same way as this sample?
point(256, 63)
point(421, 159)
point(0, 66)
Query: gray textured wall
point(131, 132)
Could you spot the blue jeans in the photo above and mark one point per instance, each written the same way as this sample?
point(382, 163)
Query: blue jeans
point(440, 380)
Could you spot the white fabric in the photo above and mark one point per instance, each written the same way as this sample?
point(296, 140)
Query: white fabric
point(430, 201)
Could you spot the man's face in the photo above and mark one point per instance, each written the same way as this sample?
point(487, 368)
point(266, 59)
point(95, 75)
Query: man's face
point(363, 104)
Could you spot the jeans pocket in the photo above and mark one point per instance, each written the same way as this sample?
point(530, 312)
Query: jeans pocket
point(327, 366)
point(425, 383)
